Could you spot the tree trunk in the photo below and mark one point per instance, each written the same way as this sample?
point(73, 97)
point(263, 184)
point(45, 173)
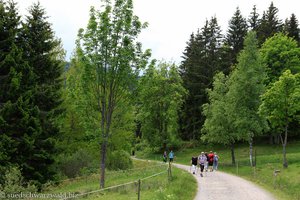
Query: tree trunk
point(251, 151)
point(103, 159)
point(271, 141)
point(285, 164)
point(232, 154)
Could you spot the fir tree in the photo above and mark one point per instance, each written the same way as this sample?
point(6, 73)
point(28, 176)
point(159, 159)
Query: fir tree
point(237, 30)
point(291, 28)
point(43, 53)
point(254, 20)
point(270, 24)
point(201, 61)
point(18, 119)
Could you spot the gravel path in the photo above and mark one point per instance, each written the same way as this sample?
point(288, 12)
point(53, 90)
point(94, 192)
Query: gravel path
point(222, 186)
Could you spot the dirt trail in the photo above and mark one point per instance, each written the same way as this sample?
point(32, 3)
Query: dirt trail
point(222, 186)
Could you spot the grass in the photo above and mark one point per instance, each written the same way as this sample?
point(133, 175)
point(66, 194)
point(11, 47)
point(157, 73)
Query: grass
point(158, 187)
point(286, 185)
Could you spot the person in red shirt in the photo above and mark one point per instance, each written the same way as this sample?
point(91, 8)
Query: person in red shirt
point(211, 160)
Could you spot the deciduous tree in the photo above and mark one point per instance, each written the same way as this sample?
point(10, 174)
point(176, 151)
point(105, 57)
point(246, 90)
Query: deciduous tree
point(280, 104)
point(111, 62)
point(161, 95)
point(246, 84)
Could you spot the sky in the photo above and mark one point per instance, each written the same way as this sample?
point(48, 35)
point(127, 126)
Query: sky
point(171, 22)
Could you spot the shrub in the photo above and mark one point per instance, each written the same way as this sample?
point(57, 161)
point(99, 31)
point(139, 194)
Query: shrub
point(72, 165)
point(119, 160)
point(14, 184)
point(175, 144)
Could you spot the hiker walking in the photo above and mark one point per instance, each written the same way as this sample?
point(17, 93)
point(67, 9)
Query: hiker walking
point(216, 160)
point(201, 160)
point(211, 160)
point(171, 156)
point(165, 156)
point(194, 162)
point(206, 162)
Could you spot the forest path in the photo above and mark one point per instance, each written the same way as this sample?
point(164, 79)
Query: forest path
point(222, 186)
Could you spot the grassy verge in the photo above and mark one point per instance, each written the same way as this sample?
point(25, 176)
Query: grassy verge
point(285, 185)
point(158, 187)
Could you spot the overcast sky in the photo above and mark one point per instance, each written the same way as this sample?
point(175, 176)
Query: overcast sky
point(171, 22)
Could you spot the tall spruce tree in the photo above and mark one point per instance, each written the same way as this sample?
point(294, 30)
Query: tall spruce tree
point(291, 28)
point(188, 71)
point(254, 20)
point(236, 33)
point(9, 80)
point(269, 24)
point(18, 118)
point(43, 53)
point(201, 60)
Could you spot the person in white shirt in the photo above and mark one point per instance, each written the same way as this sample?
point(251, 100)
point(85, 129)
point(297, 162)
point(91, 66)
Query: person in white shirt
point(201, 160)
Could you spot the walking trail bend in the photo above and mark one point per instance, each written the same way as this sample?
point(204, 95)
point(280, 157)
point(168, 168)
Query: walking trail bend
point(222, 186)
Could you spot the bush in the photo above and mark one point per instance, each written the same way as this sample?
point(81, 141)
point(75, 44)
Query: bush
point(72, 165)
point(14, 184)
point(175, 144)
point(119, 160)
point(141, 145)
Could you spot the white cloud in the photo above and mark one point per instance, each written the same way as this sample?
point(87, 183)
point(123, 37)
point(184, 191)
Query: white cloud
point(171, 22)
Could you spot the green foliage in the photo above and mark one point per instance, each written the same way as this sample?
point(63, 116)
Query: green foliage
point(119, 160)
point(280, 53)
point(14, 183)
point(291, 28)
point(217, 127)
point(254, 20)
point(161, 95)
point(236, 33)
point(269, 24)
point(201, 61)
point(19, 121)
point(231, 114)
point(280, 103)
point(44, 55)
point(71, 165)
point(246, 84)
point(111, 60)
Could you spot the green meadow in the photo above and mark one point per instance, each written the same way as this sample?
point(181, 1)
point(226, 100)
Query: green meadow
point(157, 187)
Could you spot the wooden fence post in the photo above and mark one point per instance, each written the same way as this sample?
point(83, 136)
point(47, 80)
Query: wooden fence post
point(139, 189)
point(170, 171)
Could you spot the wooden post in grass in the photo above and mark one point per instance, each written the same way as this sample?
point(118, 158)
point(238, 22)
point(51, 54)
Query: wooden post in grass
point(237, 167)
point(139, 189)
point(276, 172)
point(254, 158)
point(169, 172)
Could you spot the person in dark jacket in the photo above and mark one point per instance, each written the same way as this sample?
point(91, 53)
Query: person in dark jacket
point(194, 163)
point(211, 160)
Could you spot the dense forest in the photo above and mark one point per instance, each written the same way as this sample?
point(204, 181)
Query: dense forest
point(60, 119)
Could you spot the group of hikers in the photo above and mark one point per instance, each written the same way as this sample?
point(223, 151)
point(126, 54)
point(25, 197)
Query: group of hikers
point(206, 161)
point(171, 156)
